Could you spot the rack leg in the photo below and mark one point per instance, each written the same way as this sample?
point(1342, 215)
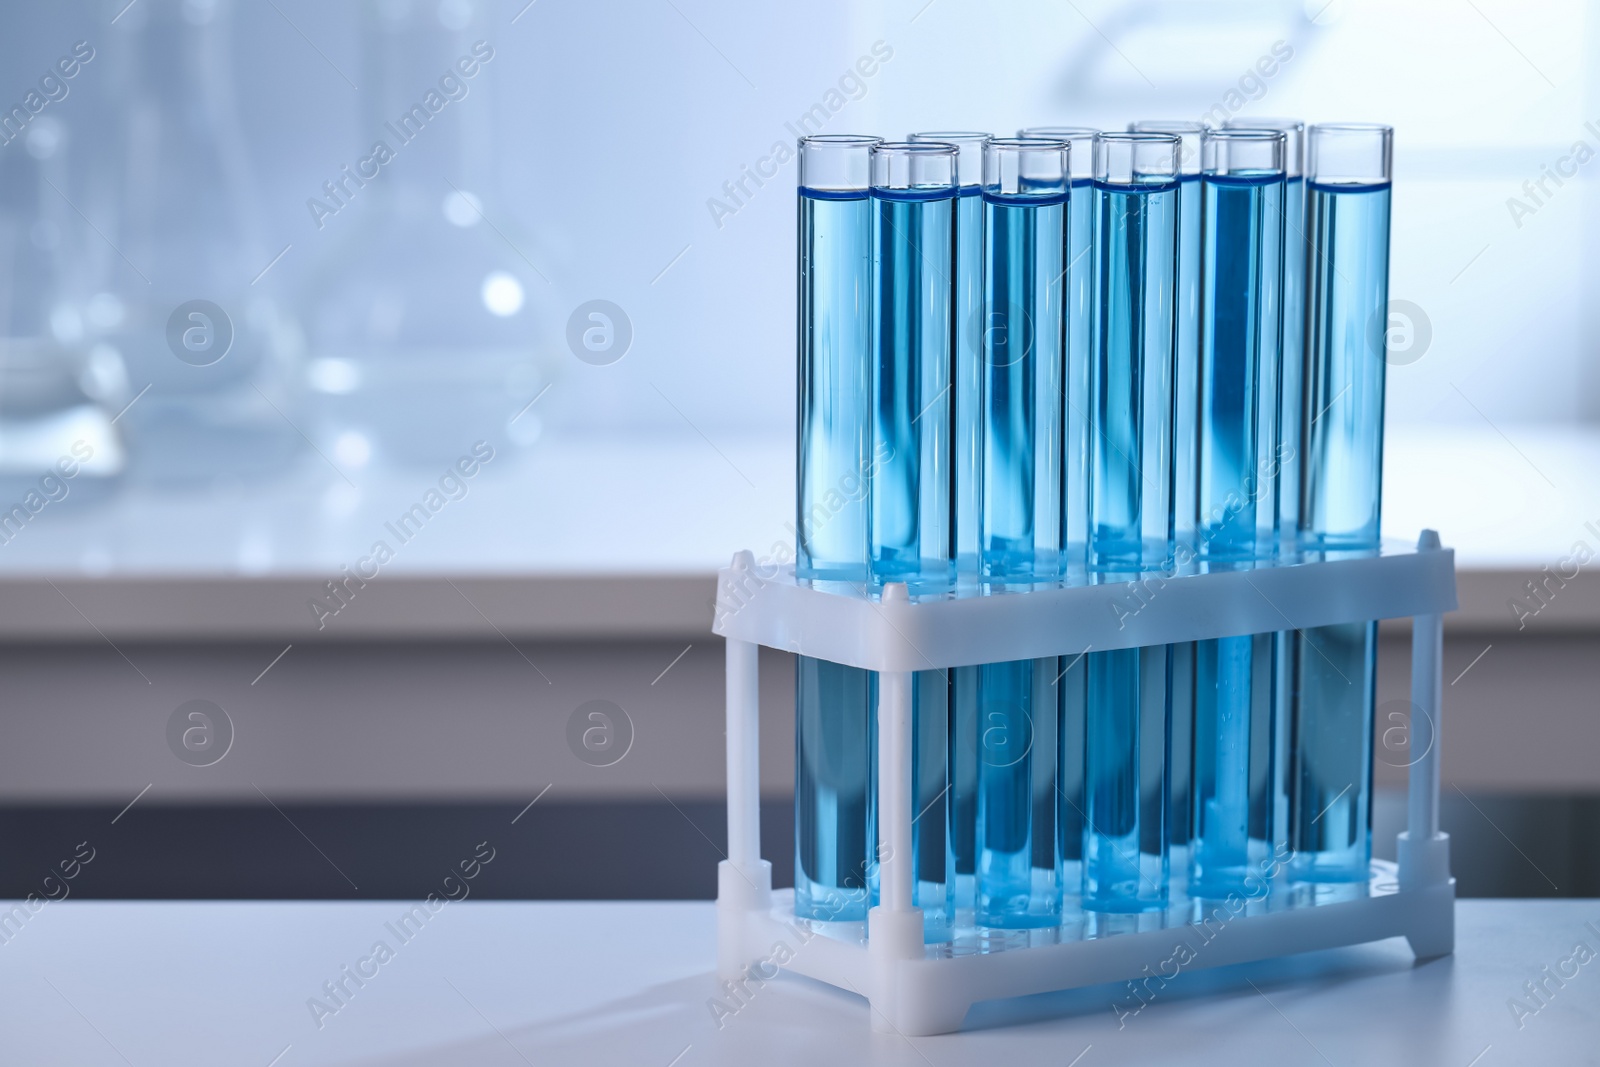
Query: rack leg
point(894, 927)
point(744, 879)
point(894, 790)
point(744, 761)
point(1423, 851)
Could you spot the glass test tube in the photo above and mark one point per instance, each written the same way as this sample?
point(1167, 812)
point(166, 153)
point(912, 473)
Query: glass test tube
point(1296, 252)
point(1186, 379)
point(1125, 865)
point(1234, 769)
point(1080, 232)
point(962, 700)
point(1023, 344)
point(968, 326)
point(834, 834)
point(914, 194)
point(1349, 288)
point(1185, 452)
point(1349, 170)
point(910, 478)
point(1072, 688)
point(1241, 323)
point(1025, 192)
point(1291, 378)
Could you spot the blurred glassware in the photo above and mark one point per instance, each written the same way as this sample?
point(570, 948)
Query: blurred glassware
point(423, 303)
point(47, 392)
point(223, 395)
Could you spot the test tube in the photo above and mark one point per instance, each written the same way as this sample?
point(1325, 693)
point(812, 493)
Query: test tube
point(1296, 252)
point(1185, 453)
point(910, 478)
point(1241, 321)
point(961, 803)
point(1291, 378)
point(1023, 340)
point(1126, 849)
point(1349, 170)
point(834, 834)
point(1234, 769)
point(968, 327)
point(1187, 312)
point(910, 482)
point(1080, 231)
point(1071, 675)
point(835, 335)
point(1025, 193)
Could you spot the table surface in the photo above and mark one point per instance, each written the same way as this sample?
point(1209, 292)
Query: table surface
point(495, 983)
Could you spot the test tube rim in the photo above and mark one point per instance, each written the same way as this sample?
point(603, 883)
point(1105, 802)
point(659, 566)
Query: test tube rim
point(1293, 168)
point(1054, 133)
point(1072, 135)
point(885, 150)
point(1209, 169)
point(1135, 136)
point(1019, 145)
point(1026, 144)
point(1383, 131)
point(950, 137)
point(1138, 179)
point(963, 140)
point(1182, 129)
point(1173, 126)
point(839, 142)
point(915, 148)
point(841, 139)
point(1352, 127)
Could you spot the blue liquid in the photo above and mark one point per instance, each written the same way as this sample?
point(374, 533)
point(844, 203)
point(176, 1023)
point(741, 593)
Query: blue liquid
point(833, 780)
point(835, 838)
point(1180, 758)
point(1072, 699)
point(835, 333)
point(1018, 878)
point(931, 890)
point(1185, 445)
point(1080, 298)
point(1072, 685)
point(968, 372)
point(1239, 359)
point(962, 753)
point(1347, 315)
point(962, 801)
point(1331, 832)
point(1125, 857)
point(1126, 736)
point(1291, 382)
point(1235, 770)
point(1017, 861)
point(1130, 485)
point(1185, 494)
point(930, 887)
point(1023, 340)
point(1238, 780)
point(1291, 420)
point(910, 479)
point(1348, 300)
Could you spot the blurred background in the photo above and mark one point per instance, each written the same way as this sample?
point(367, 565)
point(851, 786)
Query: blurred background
point(381, 384)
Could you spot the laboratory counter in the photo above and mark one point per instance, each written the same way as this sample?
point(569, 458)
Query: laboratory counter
point(456, 981)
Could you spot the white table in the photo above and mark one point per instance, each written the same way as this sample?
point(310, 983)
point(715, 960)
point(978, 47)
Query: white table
point(167, 984)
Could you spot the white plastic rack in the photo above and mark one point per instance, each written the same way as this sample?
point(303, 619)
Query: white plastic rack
point(913, 988)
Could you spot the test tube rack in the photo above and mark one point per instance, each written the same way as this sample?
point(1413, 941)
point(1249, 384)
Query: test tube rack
point(918, 989)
